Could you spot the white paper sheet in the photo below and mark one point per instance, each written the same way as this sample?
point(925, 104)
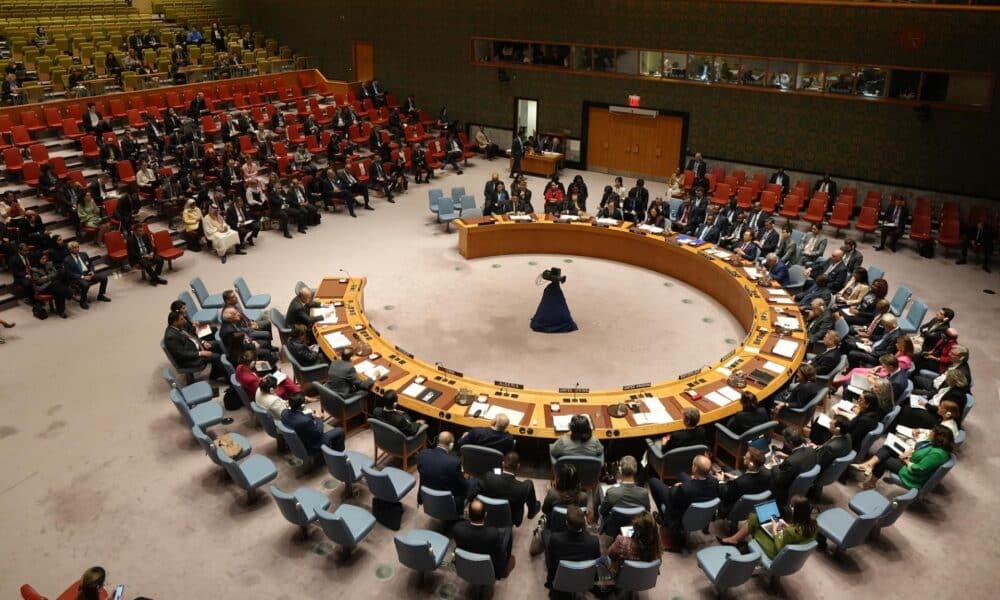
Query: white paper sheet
point(726, 372)
point(607, 221)
point(790, 323)
point(717, 399)
point(823, 420)
point(569, 218)
point(844, 407)
point(782, 301)
point(786, 348)
point(651, 228)
point(750, 350)
point(515, 416)
point(730, 393)
point(279, 377)
point(414, 390)
point(371, 370)
point(751, 272)
point(657, 414)
point(328, 314)
point(561, 422)
point(774, 367)
point(337, 340)
point(520, 217)
point(776, 292)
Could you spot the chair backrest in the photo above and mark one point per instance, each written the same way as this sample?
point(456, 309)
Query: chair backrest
point(637, 576)
point(278, 320)
point(679, 460)
point(916, 314)
point(557, 519)
point(445, 209)
point(836, 469)
point(858, 531)
point(476, 569)
point(588, 468)
point(970, 401)
point(415, 553)
point(796, 276)
point(468, 202)
point(736, 569)
point(294, 442)
point(574, 576)
point(232, 468)
point(891, 416)
point(457, 193)
point(182, 407)
point(199, 289)
point(289, 506)
point(242, 289)
point(497, 511)
point(379, 483)
point(896, 508)
point(699, 514)
point(745, 504)
point(869, 439)
point(438, 504)
point(265, 420)
point(169, 377)
point(899, 300)
point(338, 464)
point(619, 517)
point(875, 272)
point(206, 443)
point(334, 527)
point(803, 482)
point(479, 460)
point(242, 393)
point(842, 328)
point(386, 436)
point(933, 481)
point(331, 401)
point(791, 558)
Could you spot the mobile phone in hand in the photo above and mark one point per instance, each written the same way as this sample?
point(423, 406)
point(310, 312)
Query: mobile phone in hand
point(119, 593)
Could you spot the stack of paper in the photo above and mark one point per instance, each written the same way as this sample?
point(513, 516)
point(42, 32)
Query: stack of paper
point(414, 390)
point(519, 217)
point(371, 370)
point(279, 377)
point(657, 413)
point(774, 367)
point(730, 394)
point(515, 416)
point(789, 323)
point(606, 221)
point(328, 314)
point(899, 444)
point(337, 340)
point(786, 348)
point(650, 228)
point(561, 422)
point(752, 272)
point(717, 399)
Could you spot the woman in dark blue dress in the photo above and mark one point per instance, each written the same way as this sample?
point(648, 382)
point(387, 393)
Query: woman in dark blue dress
point(553, 314)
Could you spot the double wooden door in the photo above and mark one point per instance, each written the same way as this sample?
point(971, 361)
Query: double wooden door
point(632, 144)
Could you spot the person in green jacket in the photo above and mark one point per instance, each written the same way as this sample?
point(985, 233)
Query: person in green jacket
point(801, 530)
point(915, 467)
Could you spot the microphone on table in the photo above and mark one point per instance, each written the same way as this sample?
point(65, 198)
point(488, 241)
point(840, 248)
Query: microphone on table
point(344, 271)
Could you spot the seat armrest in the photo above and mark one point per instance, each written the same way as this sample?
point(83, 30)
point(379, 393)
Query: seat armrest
point(720, 428)
point(418, 438)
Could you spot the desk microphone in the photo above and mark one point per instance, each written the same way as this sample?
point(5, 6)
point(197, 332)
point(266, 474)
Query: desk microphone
point(344, 271)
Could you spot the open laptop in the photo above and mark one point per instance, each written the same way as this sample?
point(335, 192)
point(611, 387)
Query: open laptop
point(765, 512)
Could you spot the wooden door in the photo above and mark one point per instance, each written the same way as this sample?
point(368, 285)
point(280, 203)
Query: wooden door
point(632, 144)
point(364, 61)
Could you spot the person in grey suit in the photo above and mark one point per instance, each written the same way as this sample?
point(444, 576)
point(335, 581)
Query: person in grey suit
point(819, 322)
point(343, 378)
point(626, 493)
point(580, 440)
point(885, 345)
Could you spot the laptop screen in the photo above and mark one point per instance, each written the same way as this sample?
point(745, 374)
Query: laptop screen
point(766, 510)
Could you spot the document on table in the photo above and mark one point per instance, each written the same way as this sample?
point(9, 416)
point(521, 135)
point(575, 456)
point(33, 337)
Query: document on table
point(337, 340)
point(561, 422)
point(752, 272)
point(786, 348)
point(651, 228)
point(371, 370)
point(790, 323)
point(657, 414)
point(718, 253)
point(520, 217)
point(782, 301)
point(569, 218)
point(607, 221)
point(328, 314)
point(776, 292)
point(717, 399)
point(414, 390)
point(774, 367)
point(515, 416)
point(730, 394)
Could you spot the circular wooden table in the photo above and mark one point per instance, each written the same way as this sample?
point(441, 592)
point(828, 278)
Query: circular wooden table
point(651, 408)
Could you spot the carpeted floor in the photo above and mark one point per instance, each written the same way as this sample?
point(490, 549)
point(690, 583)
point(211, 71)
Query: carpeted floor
point(99, 468)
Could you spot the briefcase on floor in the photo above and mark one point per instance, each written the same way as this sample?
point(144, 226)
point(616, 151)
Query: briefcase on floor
point(389, 514)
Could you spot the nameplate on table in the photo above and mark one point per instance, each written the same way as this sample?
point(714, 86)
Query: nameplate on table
point(403, 352)
point(444, 369)
point(508, 384)
point(689, 374)
point(484, 223)
point(636, 386)
point(574, 390)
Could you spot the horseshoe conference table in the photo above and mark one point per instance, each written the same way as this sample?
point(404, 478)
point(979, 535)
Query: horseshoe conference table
point(774, 346)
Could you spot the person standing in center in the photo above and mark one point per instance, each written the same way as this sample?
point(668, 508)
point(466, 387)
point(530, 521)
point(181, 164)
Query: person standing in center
point(516, 152)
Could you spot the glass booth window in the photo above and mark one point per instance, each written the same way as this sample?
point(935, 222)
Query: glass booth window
point(604, 59)
point(753, 72)
point(871, 82)
point(582, 58)
point(483, 50)
point(810, 77)
point(781, 75)
point(840, 79)
point(727, 69)
point(674, 65)
point(905, 84)
point(553, 55)
point(699, 68)
point(627, 62)
point(651, 64)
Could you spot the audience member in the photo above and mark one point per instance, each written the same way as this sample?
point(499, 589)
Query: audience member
point(673, 501)
point(506, 486)
point(579, 441)
point(389, 412)
point(643, 544)
point(773, 536)
point(800, 458)
point(313, 432)
point(691, 435)
point(626, 492)
point(751, 415)
point(187, 350)
point(494, 437)
point(913, 467)
point(564, 490)
point(475, 536)
point(442, 471)
point(141, 252)
point(574, 544)
point(754, 480)
point(81, 274)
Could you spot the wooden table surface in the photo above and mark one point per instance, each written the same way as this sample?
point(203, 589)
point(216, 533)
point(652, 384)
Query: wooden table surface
point(730, 285)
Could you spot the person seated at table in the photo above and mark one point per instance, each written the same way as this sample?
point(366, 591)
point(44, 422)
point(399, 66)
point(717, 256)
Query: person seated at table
point(500, 202)
point(854, 291)
point(578, 441)
point(343, 378)
point(813, 246)
point(313, 432)
point(495, 436)
point(747, 249)
point(691, 435)
point(777, 269)
point(756, 478)
point(913, 467)
point(904, 362)
point(751, 414)
point(611, 211)
point(869, 354)
point(800, 529)
point(642, 544)
point(48, 279)
point(305, 351)
point(553, 198)
point(827, 358)
point(800, 392)
point(521, 198)
point(799, 459)
point(388, 411)
point(954, 389)
point(655, 218)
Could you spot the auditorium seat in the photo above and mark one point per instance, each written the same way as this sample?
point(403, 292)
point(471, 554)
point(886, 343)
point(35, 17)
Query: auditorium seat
point(867, 221)
point(726, 567)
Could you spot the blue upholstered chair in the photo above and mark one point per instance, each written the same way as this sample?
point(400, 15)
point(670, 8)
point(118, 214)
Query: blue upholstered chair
point(801, 484)
point(299, 508)
point(250, 300)
point(203, 415)
point(638, 576)
point(346, 466)
point(497, 511)
point(421, 550)
point(347, 526)
point(479, 460)
point(389, 484)
point(914, 317)
point(844, 529)
point(253, 472)
point(726, 567)
point(788, 561)
point(296, 445)
point(899, 300)
point(439, 504)
point(574, 576)
point(267, 422)
point(344, 409)
point(889, 510)
point(208, 446)
point(476, 569)
point(193, 394)
point(206, 299)
point(198, 315)
point(674, 462)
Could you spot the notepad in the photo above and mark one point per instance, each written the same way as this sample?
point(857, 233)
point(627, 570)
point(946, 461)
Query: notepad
point(371, 370)
point(515, 416)
point(205, 331)
point(414, 390)
point(329, 315)
point(774, 367)
point(651, 228)
point(751, 350)
point(569, 218)
point(724, 371)
point(607, 221)
point(789, 323)
point(717, 399)
point(904, 431)
point(782, 301)
point(786, 348)
point(898, 444)
point(844, 407)
point(520, 217)
point(657, 414)
point(917, 401)
point(823, 420)
point(279, 377)
point(776, 292)
point(561, 422)
point(337, 340)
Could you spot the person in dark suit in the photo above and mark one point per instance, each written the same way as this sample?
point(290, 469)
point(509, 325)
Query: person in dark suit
point(516, 153)
point(826, 185)
point(754, 480)
point(777, 269)
point(768, 238)
point(94, 123)
point(697, 165)
point(782, 179)
point(708, 231)
point(311, 430)
point(241, 222)
point(477, 537)
point(305, 351)
point(495, 436)
point(747, 248)
point(441, 470)
point(834, 268)
point(819, 320)
point(837, 444)
point(640, 201)
point(298, 312)
point(800, 458)
point(111, 155)
point(979, 237)
point(80, 272)
point(505, 486)
point(801, 392)
point(380, 180)
point(299, 207)
point(691, 435)
point(141, 252)
point(343, 378)
point(573, 544)
point(198, 107)
point(611, 211)
point(232, 326)
point(348, 182)
point(673, 501)
point(751, 415)
point(827, 359)
point(756, 218)
point(389, 412)
point(884, 345)
point(893, 223)
point(20, 265)
point(626, 493)
point(186, 349)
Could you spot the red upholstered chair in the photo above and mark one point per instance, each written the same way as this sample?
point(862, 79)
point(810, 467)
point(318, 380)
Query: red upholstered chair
point(280, 150)
point(174, 101)
point(950, 235)
point(774, 187)
point(53, 118)
point(20, 137)
point(354, 132)
point(135, 120)
point(360, 170)
point(246, 146)
point(163, 244)
point(950, 211)
point(32, 122)
point(720, 173)
point(118, 110)
point(39, 154)
point(137, 103)
point(240, 102)
point(793, 204)
point(29, 593)
point(841, 217)
point(115, 244)
point(688, 179)
point(59, 166)
point(13, 163)
point(295, 135)
point(125, 172)
point(744, 197)
point(390, 100)
point(308, 86)
point(922, 207)
point(31, 172)
point(768, 201)
point(814, 214)
point(867, 221)
point(721, 196)
point(210, 126)
point(89, 145)
point(920, 228)
point(740, 175)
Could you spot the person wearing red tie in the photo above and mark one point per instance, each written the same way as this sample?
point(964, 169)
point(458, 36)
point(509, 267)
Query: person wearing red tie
point(893, 223)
